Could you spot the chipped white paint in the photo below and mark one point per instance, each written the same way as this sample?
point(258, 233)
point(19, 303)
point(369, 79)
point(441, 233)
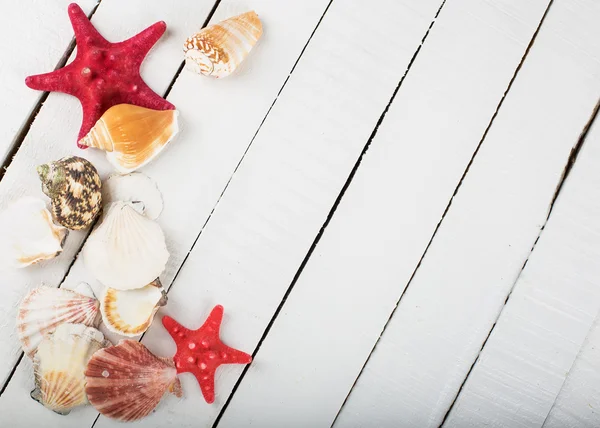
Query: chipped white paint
point(337, 309)
point(34, 37)
point(541, 329)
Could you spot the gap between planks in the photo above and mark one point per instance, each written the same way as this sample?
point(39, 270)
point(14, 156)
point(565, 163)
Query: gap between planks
point(485, 133)
point(329, 215)
point(32, 118)
point(22, 133)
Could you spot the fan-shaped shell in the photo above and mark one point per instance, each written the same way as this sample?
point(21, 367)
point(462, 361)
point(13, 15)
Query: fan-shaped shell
point(126, 382)
point(132, 136)
point(28, 235)
point(131, 312)
point(74, 186)
point(219, 49)
point(60, 363)
point(126, 250)
point(45, 308)
point(134, 187)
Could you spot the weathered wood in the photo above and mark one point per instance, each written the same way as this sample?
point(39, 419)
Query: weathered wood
point(458, 291)
point(347, 290)
point(34, 38)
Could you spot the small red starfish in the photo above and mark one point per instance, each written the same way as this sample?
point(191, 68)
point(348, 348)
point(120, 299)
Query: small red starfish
point(104, 74)
point(201, 351)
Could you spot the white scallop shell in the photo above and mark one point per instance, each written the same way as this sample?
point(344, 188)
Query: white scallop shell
point(219, 49)
point(45, 308)
point(134, 187)
point(126, 250)
point(60, 363)
point(28, 234)
point(130, 312)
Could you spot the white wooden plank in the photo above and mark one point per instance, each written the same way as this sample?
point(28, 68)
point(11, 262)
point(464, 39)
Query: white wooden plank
point(35, 36)
point(193, 172)
point(280, 195)
point(578, 404)
point(457, 293)
point(541, 329)
point(327, 328)
point(54, 134)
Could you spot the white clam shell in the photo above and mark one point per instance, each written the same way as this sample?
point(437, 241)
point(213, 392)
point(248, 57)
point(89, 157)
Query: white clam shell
point(28, 234)
point(45, 308)
point(60, 363)
point(126, 250)
point(130, 312)
point(134, 187)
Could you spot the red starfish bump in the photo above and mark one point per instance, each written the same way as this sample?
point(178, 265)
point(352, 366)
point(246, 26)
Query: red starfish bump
point(201, 351)
point(104, 74)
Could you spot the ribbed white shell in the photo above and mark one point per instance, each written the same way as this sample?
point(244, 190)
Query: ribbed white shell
point(126, 250)
point(45, 308)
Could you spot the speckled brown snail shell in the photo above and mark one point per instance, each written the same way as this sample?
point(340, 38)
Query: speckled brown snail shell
point(74, 186)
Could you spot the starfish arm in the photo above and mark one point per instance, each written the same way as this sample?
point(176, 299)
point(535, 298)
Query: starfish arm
point(172, 326)
point(146, 97)
point(141, 43)
point(92, 111)
point(85, 33)
point(56, 81)
point(213, 322)
point(234, 356)
point(206, 380)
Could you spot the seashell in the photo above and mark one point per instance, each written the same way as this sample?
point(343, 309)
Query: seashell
point(126, 382)
point(134, 187)
point(132, 136)
point(126, 250)
point(131, 312)
point(59, 366)
point(45, 308)
point(28, 234)
point(74, 186)
point(219, 49)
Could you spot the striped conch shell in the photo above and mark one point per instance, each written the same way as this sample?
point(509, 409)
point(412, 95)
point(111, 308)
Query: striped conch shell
point(45, 308)
point(59, 366)
point(126, 382)
point(219, 49)
point(130, 312)
point(132, 136)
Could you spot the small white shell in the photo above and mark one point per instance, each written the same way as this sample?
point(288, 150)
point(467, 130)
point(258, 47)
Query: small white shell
point(134, 187)
point(60, 363)
point(45, 308)
point(126, 250)
point(130, 312)
point(28, 234)
point(219, 49)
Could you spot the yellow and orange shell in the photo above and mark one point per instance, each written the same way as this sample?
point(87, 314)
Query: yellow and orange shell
point(219, 49)
point(132, 136)
point(126, 382)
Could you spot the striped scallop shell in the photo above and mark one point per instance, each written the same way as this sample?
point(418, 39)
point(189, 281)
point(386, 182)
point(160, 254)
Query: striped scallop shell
point(60, 363)
point(45, 308)
point(130, 312)
point(219, 49)
point(126, 382)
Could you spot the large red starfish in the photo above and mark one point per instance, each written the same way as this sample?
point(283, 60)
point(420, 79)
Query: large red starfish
point(201, 351)
point(104, 74)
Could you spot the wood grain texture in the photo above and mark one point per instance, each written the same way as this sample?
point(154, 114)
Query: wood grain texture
point(54, 133)
point(578, 404)
point(550, 311)
point(279, 196)
point(34, 38)
point(457, 293)
point(331, 320)
point(193, 172)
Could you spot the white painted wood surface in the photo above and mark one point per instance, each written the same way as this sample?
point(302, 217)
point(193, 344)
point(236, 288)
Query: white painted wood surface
point(250, 181)
point(553, 306)
point(578, 404)
point(456, 294)
point(34, 38)
point(375, 239)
